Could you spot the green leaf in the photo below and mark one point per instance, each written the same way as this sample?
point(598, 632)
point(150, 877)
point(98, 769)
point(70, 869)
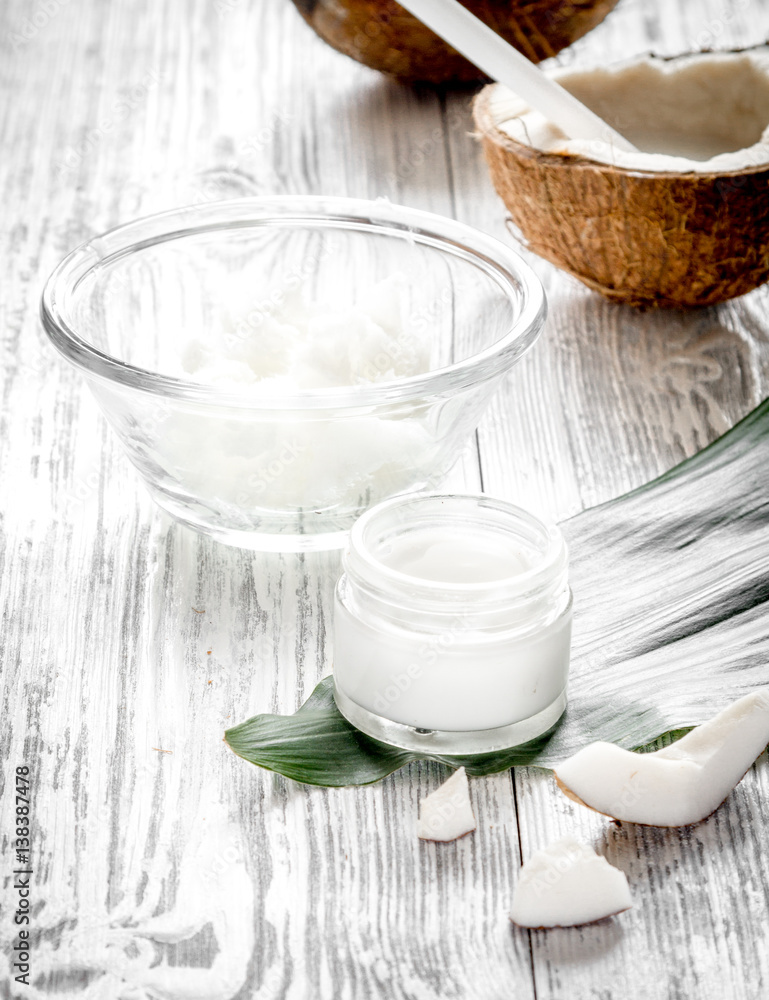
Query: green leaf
point(671, 584)
point(317, 745)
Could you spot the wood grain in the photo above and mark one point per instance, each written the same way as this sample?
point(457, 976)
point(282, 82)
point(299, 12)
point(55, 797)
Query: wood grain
point(187, 874)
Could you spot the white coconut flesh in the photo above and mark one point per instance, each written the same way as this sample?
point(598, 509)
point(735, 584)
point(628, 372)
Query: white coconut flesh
point(447, 813)
point(702, 113)
point(679, 785)
point(568, 884)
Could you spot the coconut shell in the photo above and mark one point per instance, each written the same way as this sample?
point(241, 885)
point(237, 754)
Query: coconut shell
point(383, 35)
point(639, 237)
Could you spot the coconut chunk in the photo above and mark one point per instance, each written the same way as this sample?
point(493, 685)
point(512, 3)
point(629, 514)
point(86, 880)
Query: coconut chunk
point(678, 785)
point(568, 884)
point(446, 813)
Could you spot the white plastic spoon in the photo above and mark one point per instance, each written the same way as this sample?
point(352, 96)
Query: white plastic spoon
point(499, 60)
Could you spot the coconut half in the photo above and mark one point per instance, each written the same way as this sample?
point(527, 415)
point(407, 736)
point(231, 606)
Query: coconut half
point(679, 785)
point(683, 222)
point(568, 884)
point(383, 35)
point(447, 814)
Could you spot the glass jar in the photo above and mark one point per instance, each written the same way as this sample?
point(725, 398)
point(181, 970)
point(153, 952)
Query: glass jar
point(452, 624)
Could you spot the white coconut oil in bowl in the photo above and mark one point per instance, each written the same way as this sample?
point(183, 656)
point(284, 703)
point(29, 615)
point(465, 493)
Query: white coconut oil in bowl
point(273, 367)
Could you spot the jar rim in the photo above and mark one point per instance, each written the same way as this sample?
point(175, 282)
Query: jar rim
point(551, 568)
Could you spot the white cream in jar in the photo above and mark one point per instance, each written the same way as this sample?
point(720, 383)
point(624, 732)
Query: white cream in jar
point(452, 624)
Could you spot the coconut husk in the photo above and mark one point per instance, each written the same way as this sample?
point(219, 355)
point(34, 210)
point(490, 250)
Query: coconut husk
point(383, 35)
point(643, 238)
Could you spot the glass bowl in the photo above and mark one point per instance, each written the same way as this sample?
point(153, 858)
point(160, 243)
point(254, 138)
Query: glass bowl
point(271, 464)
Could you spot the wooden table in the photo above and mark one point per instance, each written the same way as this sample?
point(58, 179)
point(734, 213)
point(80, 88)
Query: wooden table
point(164, 866)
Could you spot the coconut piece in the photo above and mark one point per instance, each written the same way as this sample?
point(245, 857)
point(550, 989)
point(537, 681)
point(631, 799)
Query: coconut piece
point(678, 785)
point(683, 222)
point(383, 35)
point(568, 884)
point(446, 814)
